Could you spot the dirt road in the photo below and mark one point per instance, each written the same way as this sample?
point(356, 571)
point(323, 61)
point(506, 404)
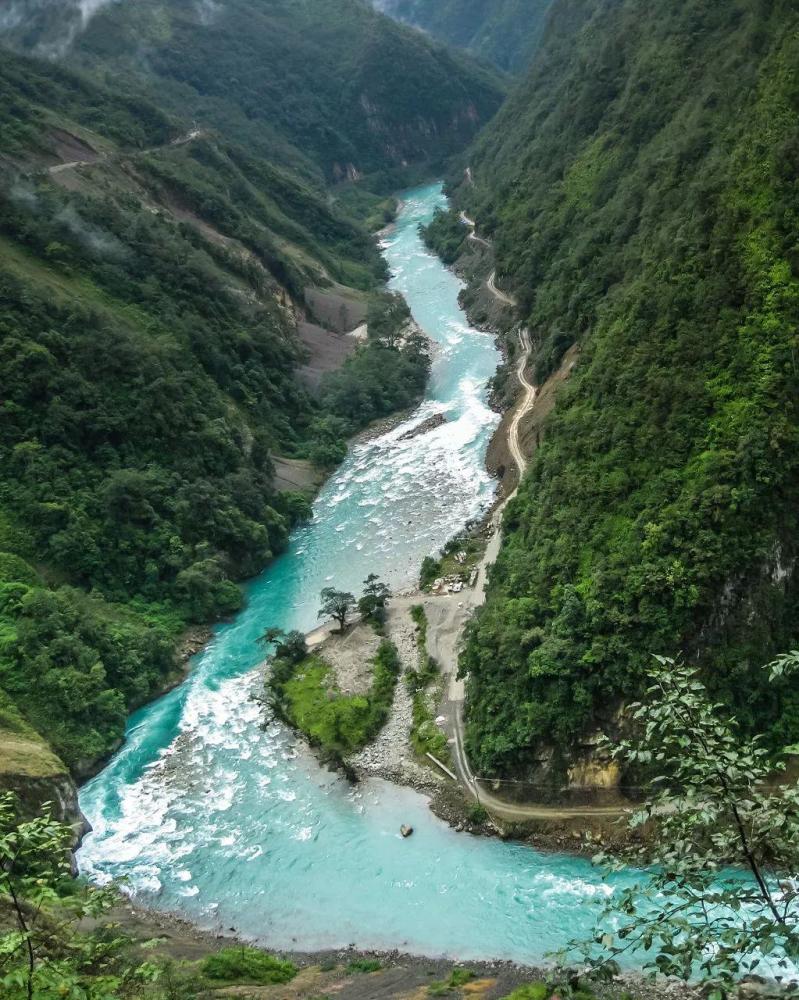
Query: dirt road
point(528, 399)
point(491, 284)
point(181, 140)
point(473, 235)
point(447, 617)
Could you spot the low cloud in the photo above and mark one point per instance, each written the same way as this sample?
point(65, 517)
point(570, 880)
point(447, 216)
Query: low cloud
point(96, 240)
point(207, 11)
point(59, 21)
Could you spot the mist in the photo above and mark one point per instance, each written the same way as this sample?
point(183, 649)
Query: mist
point(56, 22)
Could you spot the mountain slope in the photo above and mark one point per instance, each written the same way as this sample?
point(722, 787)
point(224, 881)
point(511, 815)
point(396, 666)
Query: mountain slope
point(506, 33)
point(328, 85)
point(641, 191)
point(155, 283)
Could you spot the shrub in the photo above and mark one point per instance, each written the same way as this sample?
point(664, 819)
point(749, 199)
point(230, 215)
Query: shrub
point(364, 965)
point(476, 813)
point(429, 572)
point(248, 964)
point(533, 991)
point(457, 978)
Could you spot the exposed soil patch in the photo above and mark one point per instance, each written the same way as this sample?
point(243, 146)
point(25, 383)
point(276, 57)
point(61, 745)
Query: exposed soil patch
point(335, 308)
point(328, 351)
point(350, 656)
point(296, 474)
point(69, 148)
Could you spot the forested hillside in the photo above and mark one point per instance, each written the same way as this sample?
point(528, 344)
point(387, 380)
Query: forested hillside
point(641, 191)
point(164, 212)
point(506, 33)
point(323, 85)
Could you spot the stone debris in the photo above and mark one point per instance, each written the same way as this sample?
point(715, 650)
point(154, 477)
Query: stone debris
point(430, 424)
point(391, 755)
point(451, 584)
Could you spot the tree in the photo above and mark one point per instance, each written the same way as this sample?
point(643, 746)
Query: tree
point(718, 839)
point(387, 316)
point(372, 604)
point(290, 646)
point(328, 446)
point(42, 953)
point(336, 604)
point(430, 569)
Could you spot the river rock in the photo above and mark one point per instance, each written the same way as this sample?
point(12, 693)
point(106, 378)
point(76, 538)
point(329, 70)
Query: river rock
point(424, 427)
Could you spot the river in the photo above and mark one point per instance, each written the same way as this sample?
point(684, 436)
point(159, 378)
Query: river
point(209, 812)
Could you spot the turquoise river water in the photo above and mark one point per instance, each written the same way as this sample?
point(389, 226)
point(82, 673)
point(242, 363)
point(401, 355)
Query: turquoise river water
point(209, 812)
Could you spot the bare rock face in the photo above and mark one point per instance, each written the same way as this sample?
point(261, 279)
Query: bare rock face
point(30, 769)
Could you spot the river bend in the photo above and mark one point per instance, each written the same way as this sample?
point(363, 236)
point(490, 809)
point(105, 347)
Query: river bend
point(208, 811)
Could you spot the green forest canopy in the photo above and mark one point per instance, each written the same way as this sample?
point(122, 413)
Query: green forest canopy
point(149, 374)
point(641, 191)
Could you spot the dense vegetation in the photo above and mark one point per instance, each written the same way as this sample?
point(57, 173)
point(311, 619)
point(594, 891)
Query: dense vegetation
point(507, 33)
point(325, 85)
point(446, 234)
point(148, 303)
point(386, 374)
point(641, 192)
point(305, 694)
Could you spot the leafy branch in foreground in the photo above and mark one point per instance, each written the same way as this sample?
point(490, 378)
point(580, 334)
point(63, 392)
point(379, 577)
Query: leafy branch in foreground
point(42, 952)
point(718, 840)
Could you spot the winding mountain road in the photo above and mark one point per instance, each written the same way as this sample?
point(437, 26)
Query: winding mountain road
point(181, 140)
point(491, 282)
point(497, 292)
point(528, 400)
point(447, 617)
point(473, 235)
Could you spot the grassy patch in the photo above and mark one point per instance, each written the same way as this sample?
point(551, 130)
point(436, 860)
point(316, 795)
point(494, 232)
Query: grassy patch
point(426, 737)
point(457, 978)
point(533, 991)
point(364, 965)
point(247, 965)
point(339, 723)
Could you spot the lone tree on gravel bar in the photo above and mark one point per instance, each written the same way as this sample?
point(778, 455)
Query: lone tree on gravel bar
point(336, 604)
point(289, 646)
point(376, 594)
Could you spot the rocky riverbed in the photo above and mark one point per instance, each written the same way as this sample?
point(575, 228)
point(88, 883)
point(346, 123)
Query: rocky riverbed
point(331, 972)
point(437, 420)
point(391, 755)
